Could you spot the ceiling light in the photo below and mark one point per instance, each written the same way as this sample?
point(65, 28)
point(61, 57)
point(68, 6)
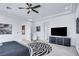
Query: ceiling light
point(66, 8)
point(30, 19)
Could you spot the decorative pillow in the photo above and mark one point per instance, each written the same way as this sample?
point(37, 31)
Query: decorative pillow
point(1, 44)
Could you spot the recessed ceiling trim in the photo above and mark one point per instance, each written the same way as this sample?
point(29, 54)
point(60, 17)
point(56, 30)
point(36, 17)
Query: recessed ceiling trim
point(46, 11)
point(50, 16)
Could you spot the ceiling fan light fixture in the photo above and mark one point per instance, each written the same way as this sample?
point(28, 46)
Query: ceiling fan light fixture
point(66, 8)
point(30, 8)
point(30, 19)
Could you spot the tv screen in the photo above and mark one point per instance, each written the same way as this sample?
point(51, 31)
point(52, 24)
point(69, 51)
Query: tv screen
point(61, 31)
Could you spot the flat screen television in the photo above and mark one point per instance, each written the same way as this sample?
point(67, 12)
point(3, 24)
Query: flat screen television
point(59, 31)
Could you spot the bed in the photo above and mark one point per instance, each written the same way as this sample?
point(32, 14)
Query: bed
point(14, 48)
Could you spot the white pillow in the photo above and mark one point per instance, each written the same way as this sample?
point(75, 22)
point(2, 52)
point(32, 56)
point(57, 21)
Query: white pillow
point(1, 44)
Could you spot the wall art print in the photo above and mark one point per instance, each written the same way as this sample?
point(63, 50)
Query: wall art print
point(5, 28)
point(23, 29)
point(37, 28)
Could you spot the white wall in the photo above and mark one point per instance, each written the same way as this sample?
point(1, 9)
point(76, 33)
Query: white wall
point(59, 21)
point(68, 20)
point(77, 35)
point(16, 29)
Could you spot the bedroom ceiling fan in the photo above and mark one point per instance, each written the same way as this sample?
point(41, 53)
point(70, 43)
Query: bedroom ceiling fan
point(30, 8)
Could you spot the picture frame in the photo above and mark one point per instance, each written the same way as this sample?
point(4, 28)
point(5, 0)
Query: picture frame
point(77, 26)
point(5, 28)
point(37, 28)
point(23, 29)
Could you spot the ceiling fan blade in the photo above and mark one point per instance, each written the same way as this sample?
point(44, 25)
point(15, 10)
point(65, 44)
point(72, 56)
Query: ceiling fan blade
point(36, 6)
point(35, 11)
point(28, 12)
point(30, 4)
point(27, 3)
point(28, 8)
point(21, 8)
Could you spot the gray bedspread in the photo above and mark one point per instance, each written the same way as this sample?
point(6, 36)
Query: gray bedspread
point(13, 48)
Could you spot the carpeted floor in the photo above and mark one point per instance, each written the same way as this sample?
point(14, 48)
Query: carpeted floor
point(56, 50)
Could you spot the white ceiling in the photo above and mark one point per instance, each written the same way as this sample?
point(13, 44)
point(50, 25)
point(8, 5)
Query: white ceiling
point(46, 9)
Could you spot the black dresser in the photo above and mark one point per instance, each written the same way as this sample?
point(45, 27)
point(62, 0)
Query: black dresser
point(60, 40)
